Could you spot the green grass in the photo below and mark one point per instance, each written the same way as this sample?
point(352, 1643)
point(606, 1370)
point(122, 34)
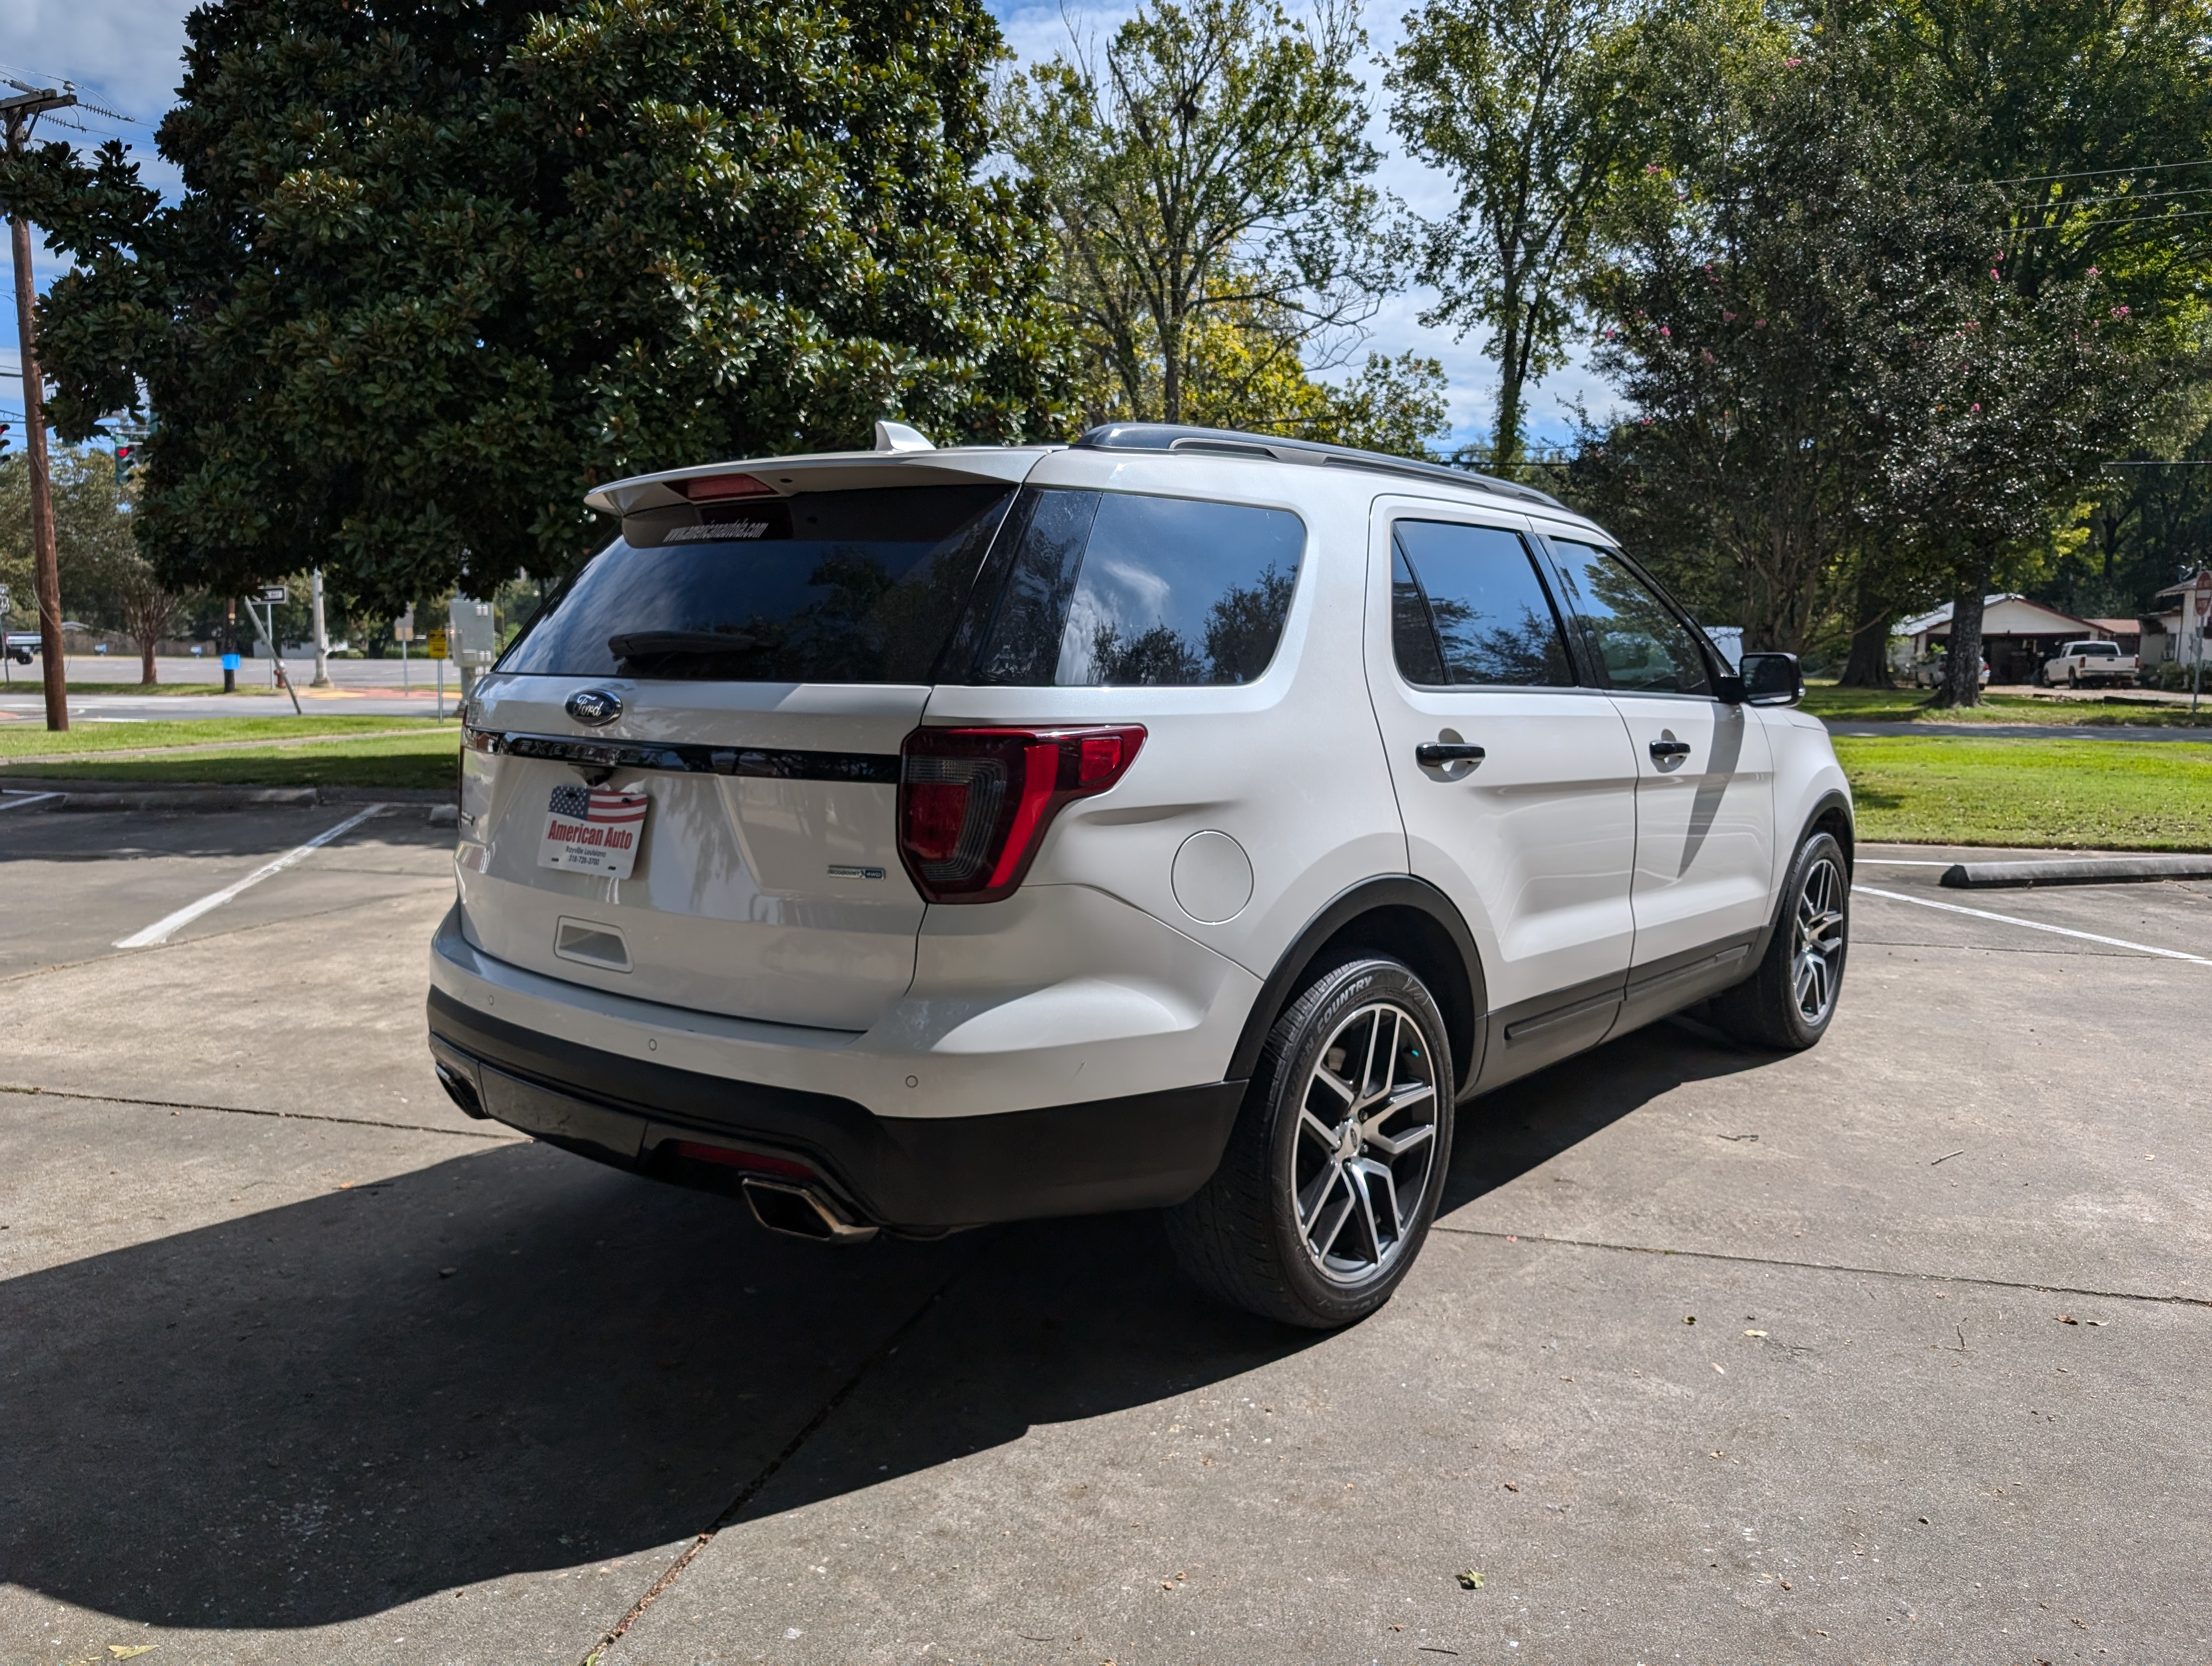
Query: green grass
point(2060, 794)
point(27, 738)
point(424, 760)
point(1826, 700)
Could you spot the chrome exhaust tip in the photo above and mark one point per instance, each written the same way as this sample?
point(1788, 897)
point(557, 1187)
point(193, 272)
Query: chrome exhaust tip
point(801, 1211)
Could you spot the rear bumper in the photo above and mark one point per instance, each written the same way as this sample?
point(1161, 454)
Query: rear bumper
point(1141, 1151)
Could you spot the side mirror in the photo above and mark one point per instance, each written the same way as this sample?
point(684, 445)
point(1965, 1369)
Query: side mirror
point(1772, 679)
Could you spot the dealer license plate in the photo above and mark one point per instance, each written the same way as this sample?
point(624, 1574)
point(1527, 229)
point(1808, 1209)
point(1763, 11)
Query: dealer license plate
point(593, 830)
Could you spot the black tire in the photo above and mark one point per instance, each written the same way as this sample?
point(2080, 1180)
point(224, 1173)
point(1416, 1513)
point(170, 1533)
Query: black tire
point(1245, 1238)
point(1771, 1007)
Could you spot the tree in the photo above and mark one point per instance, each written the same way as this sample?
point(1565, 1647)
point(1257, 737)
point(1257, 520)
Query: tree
point(1998, 405)
point(92, 530)
point(1732, 288)
point(1524, 103)
point(1209, 188)
point(1243, 374)
point(149, 609)
point(438, 270)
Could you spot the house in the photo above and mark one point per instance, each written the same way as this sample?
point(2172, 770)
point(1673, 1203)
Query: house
point(2177, 634)
point(2017, 636)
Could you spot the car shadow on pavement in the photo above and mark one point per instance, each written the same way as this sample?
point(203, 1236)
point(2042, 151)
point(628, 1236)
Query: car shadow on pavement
point(514, 1361)
point(1523, 1125)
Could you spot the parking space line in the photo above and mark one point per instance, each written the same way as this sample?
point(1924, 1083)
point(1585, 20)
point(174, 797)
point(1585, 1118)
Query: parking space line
point(17, 803)
point(162, 929)
point(2033, 925)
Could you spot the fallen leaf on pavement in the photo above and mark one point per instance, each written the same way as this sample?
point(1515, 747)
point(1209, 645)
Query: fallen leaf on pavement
point(1470, 1578)
point(2067, 1319)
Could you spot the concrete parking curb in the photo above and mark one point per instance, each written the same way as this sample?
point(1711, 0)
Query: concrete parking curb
point(64, 794)
point(2085, 870)
point(187, 798)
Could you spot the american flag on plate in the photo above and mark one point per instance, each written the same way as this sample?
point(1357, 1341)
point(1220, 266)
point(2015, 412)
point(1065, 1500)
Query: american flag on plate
point(593, 830)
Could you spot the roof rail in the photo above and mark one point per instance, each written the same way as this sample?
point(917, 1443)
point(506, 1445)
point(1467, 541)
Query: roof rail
point(1231, 442)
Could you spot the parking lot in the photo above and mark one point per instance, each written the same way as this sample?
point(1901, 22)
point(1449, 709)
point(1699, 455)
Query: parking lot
point(1894, 1351)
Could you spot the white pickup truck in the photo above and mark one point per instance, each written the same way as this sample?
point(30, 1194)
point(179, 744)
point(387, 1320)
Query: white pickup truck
point(2088, 664)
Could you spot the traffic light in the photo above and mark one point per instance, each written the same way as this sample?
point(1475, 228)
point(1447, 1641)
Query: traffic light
point(126, 459)
point(3, 439)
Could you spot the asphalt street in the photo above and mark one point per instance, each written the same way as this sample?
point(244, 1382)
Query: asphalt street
point(1893, 1351)
point(360, 688)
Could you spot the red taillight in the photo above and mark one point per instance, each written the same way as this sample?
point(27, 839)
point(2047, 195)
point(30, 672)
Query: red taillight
point(974, 804)
point(711, 488)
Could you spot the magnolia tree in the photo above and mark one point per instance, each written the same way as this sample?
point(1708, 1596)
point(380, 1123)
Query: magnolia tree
point(437, 270)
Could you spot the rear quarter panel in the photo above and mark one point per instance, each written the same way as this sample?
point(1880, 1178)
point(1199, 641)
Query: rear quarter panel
point(1289, 765)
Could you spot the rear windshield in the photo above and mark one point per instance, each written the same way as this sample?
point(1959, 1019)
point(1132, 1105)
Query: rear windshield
point(1081, 588)
point(1091, 588)
point(835, 586)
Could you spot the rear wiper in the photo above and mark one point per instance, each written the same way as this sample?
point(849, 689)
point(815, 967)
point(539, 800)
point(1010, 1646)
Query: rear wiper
point(678, 644)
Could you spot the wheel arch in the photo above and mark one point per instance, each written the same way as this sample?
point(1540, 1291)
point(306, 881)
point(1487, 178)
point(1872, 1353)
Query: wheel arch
point(1397, 915)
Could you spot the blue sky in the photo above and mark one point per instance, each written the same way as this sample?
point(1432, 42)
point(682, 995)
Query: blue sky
point(125, 54)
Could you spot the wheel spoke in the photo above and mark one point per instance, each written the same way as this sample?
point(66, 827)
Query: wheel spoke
point(1373, 1173)
point(1313, 1126)
point(1412, 1094)
point(1316, 1192)
point(1323, 1074)
point(1395, 1145)
point(1322, 1241)
point(1365, 1193)
point(1367, 1067)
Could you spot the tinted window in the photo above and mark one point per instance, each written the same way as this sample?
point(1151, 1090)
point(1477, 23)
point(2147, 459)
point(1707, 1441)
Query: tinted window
point(839, 587)
point(1634, 637)
point(1115, 588)
point(1469, 606)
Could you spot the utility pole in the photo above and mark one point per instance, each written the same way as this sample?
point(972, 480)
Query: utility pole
point(322, 636)
point(230, 645)
point(20, 111)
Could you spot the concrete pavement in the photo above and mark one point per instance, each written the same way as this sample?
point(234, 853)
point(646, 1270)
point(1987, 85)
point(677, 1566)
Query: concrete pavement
point(298, 1363)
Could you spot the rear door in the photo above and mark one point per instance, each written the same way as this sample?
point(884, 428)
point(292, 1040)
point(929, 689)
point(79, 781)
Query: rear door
point(1534, 839)
point(1705, 794)
point(753, 670)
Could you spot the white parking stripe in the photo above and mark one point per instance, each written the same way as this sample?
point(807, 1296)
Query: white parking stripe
point(162, 929)
point(2033, 925)
point(28, 798)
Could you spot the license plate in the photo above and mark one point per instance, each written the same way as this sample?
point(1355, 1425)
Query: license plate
point(593, 830)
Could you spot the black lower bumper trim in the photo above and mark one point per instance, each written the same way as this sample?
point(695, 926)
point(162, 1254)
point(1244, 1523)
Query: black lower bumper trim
point(1139, 1151)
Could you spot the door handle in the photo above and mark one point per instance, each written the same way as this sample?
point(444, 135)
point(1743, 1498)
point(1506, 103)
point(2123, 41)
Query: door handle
point(1669, 751)
point(1429, 753)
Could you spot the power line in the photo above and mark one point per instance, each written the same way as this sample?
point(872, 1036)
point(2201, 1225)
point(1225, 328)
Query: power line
point(2098, 172)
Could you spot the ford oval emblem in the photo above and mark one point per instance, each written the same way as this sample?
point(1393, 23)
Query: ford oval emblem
point(597, 707)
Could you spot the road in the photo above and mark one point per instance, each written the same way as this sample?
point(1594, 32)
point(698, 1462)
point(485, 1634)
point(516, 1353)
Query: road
point(300, 1363)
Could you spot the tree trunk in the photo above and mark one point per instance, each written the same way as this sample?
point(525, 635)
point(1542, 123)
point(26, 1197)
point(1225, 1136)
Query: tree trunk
point(146, 674)
point(1962, 664)
point(1867, 667)
point(1506, 440)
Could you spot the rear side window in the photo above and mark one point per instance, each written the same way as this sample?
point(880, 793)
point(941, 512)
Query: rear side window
point(1114, 588)
point(1636, 639)
point(835, 586)
point(1469, 607)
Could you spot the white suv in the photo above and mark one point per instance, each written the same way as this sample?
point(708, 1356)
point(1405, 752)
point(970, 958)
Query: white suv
point(911, 839)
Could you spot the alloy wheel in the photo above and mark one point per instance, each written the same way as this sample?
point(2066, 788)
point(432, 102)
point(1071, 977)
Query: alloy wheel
point(1816, 962)
point(1366, 1143)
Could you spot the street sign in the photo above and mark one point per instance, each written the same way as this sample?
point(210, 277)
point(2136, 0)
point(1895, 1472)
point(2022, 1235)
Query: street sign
point(275, 592)
point(436, 647)
point(402, 628)
point(474, 633)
